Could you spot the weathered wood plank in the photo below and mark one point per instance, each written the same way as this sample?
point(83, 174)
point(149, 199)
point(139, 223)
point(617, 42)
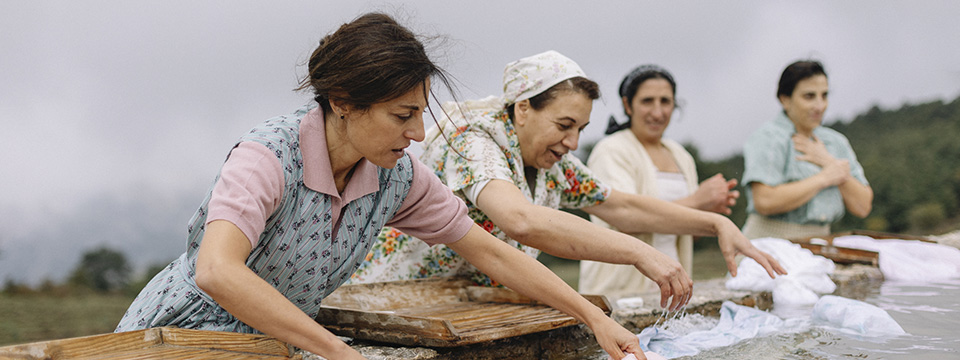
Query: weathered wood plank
point(398, 294)
point(452, 314)
point(343, 319)
point(156, 343)
point(84, 347)
point(237, 342)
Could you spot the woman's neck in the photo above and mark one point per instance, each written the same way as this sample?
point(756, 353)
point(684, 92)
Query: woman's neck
point(343, 156)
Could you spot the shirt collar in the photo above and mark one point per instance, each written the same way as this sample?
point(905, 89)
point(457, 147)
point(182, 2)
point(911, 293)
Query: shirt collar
point(317, 171)
point(784, 122)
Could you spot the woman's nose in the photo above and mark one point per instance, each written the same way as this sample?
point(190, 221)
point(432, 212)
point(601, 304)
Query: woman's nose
point(571, 141)
point(416, 131)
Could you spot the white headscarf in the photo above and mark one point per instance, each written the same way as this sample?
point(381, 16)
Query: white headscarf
point(522, 79)
point(527, 77)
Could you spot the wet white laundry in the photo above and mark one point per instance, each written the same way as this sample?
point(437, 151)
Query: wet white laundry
point(908, 259)
point(854, 317)
point(738, 323)
point(650, 356)
point(808, 275)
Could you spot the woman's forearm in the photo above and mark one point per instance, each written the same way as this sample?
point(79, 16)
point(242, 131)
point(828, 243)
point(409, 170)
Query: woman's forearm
point(557, 232)
point(772, 200)
point(222, 274)
point(519, 272)
point(639, 214)
point(857, 198)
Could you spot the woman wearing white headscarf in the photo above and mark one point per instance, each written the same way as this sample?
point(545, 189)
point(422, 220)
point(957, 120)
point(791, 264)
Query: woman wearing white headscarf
point(509, 159)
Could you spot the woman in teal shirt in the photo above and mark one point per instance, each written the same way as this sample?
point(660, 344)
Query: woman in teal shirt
point(800, 175)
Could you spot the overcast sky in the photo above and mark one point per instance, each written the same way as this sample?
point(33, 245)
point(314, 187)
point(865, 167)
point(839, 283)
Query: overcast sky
point(117, 114)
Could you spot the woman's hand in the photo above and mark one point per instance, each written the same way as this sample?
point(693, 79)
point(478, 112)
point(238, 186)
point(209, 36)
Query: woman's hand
point(716, 194)
point(833, 171)
point(812, 150)
point(615, 340)
point(669, 276)
point(732, 242)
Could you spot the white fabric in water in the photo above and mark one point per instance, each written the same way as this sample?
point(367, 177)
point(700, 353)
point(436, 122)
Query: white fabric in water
point(908, 259)
point(807, 274)
point(852, 316)
point(648, 354)
point(738, 323)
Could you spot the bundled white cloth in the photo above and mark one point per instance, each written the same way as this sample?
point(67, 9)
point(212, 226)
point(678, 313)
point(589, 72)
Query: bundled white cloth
point(808, 275)
point(856, 317)
point(908, 259)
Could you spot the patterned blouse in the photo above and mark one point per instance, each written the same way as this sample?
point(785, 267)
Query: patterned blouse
point(478, 144)
point(314, 239)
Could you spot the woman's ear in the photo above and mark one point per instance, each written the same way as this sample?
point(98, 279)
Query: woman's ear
point(521, 111)
point(339, 107)
point(784, 101)
point(626, 106)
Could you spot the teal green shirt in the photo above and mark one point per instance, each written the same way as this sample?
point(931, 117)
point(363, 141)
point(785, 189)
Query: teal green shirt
point(770, 158)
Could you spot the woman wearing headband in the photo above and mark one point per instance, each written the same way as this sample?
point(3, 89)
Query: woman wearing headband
point(302, 197)
point(637, 159)
point(509, 158)
point(800, 175)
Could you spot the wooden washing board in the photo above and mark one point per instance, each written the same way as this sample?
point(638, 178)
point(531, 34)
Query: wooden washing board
point(443, 312)
point(842, 255)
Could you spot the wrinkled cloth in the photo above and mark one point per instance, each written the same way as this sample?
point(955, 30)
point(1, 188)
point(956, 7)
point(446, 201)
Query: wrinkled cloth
point(854, 317)
point(808, 274)
point(738, 323)
point(908, 259)
point(650, 356)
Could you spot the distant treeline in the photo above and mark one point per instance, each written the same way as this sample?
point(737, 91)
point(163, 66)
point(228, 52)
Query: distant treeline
point(911, 157)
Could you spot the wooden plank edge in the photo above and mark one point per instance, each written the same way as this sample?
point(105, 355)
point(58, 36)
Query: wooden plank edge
point(226, 341)
point(85, 346)
point(345, 319)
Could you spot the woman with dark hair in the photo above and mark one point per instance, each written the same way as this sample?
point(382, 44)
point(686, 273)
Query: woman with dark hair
point(800, 175)
point(509, 158)
point(636, 159)
point(301, 198)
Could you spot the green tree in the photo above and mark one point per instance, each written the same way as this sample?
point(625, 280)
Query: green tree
point(102, 270)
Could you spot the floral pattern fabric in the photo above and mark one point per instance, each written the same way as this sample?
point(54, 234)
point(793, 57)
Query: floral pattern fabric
point(481, 144)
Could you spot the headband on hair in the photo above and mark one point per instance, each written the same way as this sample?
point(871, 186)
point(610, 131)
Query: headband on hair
point(643, 71)
point(530, 76)
point(630, 81)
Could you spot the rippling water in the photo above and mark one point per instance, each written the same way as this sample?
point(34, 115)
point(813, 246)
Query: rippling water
point(928, 312)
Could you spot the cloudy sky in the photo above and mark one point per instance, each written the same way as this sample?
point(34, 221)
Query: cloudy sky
point(117, 114)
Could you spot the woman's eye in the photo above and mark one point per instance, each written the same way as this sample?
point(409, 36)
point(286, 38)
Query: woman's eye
point(405, 117)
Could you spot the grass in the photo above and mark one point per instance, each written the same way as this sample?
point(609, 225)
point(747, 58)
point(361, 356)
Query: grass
point(33, 317)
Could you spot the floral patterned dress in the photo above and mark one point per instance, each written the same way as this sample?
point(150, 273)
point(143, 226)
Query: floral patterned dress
point(478, 144)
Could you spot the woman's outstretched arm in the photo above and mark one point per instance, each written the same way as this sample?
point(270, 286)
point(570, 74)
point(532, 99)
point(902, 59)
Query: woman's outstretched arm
point(223, 274)
point(569, 236)
point(529, 277)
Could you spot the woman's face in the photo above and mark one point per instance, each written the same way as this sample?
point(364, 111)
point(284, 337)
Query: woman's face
point(806, 106)
point(547, 134)
point(650, 109)
point(382, 132)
